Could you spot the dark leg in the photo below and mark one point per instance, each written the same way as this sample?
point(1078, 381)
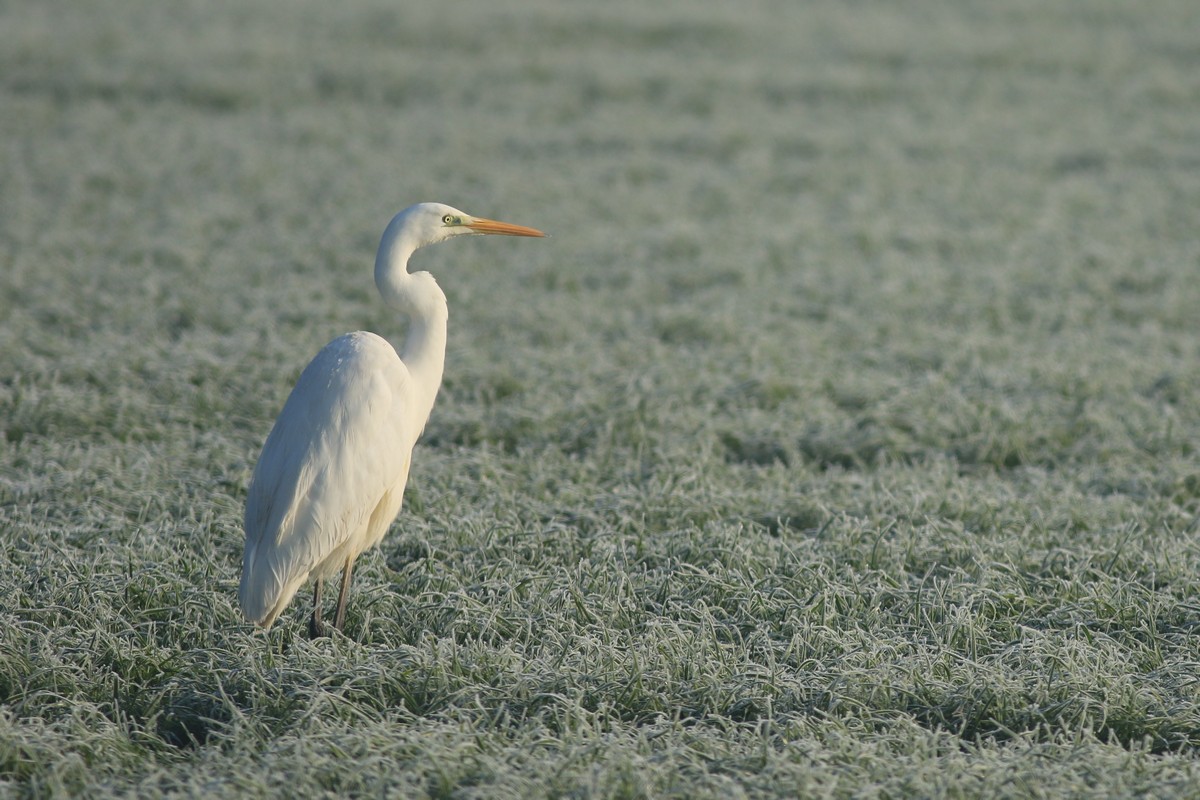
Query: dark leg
point(343, 594)
point(316, 628)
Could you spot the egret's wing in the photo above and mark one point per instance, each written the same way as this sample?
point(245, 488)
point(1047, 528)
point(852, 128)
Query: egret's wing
point(339, 444)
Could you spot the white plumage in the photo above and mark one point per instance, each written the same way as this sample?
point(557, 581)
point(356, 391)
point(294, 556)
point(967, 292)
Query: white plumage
point(331, 475)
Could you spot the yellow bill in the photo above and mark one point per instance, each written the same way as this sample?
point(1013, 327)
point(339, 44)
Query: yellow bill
point(480, 225)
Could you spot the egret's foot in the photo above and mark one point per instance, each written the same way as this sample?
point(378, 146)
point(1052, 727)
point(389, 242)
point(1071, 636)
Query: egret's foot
point(316, 628)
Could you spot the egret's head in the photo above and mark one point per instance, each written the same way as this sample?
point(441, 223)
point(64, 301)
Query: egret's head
point(429, 223)
point(422, 224)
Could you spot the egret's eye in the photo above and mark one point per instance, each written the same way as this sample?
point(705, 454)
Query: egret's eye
point(449, 220)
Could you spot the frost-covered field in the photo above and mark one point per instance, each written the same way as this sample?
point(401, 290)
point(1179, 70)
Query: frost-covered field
point(842, 442)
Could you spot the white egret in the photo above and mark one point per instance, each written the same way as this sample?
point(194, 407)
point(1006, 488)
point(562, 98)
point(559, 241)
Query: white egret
point(331, 475)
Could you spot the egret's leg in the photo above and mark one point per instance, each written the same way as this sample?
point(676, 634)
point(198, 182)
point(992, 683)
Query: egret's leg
point(316, 628)
point(343, 594)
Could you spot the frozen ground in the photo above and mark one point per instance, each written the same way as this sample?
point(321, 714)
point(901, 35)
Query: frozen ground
point(841, 443)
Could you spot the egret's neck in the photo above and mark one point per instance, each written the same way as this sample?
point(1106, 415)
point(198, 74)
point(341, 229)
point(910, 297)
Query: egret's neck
point(417, 296)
